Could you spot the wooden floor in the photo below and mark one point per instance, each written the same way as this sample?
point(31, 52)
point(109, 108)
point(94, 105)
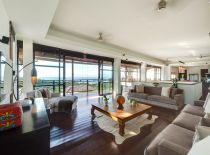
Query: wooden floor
point(75, 134)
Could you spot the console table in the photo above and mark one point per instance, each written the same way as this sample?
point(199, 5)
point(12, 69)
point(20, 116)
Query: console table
point(33, 137)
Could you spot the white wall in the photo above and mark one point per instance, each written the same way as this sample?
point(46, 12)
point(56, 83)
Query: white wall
point(143, 71)
point(4, 22)
point(195, 70)
point(117, 88)
point(166, 72)
point(4, 31)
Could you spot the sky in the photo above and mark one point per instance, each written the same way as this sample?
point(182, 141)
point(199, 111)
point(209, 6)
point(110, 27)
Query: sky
point(83, 71)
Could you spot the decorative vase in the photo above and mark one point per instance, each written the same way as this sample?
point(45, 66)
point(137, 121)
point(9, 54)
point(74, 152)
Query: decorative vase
point(106, 103)
point(120, 101)
point(133, 103)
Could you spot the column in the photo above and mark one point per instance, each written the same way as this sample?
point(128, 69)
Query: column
point(117, 85)
point(27, 58)
point(162, 73)
point(143, 71)
point(167, 72)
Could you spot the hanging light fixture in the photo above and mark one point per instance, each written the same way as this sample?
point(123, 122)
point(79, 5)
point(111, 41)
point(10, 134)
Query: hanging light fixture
point(162, 5)
point(33, 76)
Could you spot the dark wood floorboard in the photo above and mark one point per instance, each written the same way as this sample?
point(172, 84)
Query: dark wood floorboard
point(75, 134)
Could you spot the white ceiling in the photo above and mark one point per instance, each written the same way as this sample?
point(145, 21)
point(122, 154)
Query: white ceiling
point(134, 26)
point(31, 18)
point(179, 31)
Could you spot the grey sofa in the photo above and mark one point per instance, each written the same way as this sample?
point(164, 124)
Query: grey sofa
point(152, 96)
point(177, 138)
point(57, 103)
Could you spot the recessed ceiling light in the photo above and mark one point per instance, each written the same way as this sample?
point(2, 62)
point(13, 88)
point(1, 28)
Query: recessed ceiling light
point(184, 44)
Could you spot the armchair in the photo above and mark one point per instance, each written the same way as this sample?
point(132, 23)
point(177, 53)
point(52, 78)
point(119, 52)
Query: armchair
point(55, 102)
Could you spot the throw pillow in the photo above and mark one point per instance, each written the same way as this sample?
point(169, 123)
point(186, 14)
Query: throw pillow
point(165, 91)
point(48, 93)
point(207, 115)
point(173, 92)
point(38, 94)
point(44, 93)
point(140, 88)
point(207, 107)
point(201, 132)
point(205, 122)
point(207, 98)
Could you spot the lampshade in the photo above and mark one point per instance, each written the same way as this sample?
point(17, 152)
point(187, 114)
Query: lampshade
point(33, 76)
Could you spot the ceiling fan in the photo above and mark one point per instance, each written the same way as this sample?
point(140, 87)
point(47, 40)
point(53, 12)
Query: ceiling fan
point(202, 56)
point(181, 62)
point(173, 4)
point(162, 5)
point(100, 37)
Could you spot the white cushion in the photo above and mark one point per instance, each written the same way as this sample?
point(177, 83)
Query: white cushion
point(207, 98)
point(165, 91)
point(207, 107)
point(38, 94)
point(201, 132)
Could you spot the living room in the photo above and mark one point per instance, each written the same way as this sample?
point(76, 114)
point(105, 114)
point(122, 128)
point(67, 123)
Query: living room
point(105, 77)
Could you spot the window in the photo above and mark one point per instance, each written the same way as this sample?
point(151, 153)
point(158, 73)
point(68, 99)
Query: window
point(68, 72)
point(2, 68)
point(130, 73)
point(153, 73)
point(49, 67)
point(105, 77)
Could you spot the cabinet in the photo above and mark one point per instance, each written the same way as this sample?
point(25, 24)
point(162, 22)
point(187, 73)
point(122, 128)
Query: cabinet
point(33, 137)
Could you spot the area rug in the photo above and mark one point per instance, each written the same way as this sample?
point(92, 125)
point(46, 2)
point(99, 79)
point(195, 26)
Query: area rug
point(132, 127)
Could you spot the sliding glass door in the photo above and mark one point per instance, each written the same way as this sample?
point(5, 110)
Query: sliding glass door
point(85, 78)
point(105, 77)
point(70, 73)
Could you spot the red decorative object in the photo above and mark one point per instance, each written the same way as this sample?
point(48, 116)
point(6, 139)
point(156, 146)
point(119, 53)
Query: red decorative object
point(120, 101)
point(10, 116)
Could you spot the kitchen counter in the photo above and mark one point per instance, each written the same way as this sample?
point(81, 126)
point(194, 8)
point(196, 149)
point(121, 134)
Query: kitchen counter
point(180, 82)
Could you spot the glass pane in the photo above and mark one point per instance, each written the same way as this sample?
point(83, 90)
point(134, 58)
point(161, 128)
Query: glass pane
point(80, 71)
point(107, 88)
point(2, 68)
point(47, 63)
point(150, 74)
point(48, 77)
point(107, 67)
point(68, 78)
point(92, 71)
point(107, 75)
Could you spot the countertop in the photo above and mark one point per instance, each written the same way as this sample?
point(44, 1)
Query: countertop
point(179, 82)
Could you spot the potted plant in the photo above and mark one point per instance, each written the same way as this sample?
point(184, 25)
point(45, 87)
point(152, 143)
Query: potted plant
point(174, 83)
point(106, 100)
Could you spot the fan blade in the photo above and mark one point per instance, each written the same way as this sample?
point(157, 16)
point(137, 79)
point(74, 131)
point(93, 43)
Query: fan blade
point(181, 62)
point(179, 4)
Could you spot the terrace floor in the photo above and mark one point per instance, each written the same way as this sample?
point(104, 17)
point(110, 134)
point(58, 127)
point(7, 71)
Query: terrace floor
point(75, 134)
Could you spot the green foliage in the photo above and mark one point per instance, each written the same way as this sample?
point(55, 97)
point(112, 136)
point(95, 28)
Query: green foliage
point(106, 99)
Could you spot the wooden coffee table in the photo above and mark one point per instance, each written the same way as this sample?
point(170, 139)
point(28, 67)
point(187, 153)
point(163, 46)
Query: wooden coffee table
point(122, 116)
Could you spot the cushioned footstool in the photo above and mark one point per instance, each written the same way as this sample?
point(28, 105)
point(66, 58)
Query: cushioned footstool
point(64, 104)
